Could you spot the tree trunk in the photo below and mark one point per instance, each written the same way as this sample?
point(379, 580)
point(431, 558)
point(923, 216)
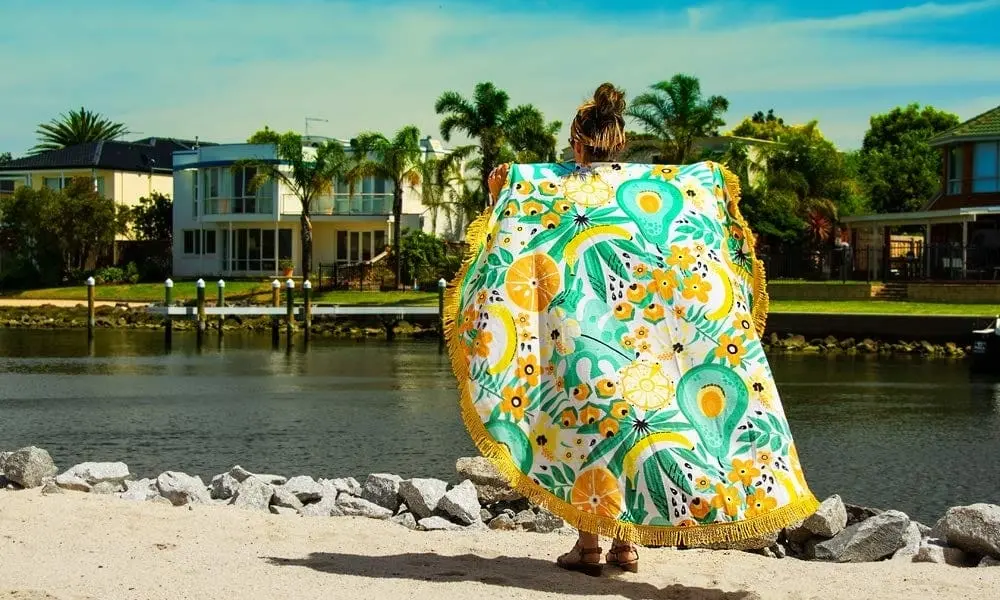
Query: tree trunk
point(397, 213)
point(307, 242)
point(489, 160)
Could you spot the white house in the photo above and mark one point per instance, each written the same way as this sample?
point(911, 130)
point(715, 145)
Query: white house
point(221, 228)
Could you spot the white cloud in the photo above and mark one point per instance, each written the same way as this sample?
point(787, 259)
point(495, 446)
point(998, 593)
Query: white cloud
point(221, 71)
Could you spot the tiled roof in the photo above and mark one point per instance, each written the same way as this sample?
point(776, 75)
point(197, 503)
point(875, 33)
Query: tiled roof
point(986, 125)
point(156, 154)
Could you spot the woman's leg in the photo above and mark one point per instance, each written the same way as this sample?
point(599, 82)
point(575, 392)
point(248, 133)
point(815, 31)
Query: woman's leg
point(623, 555)
point(584, 557)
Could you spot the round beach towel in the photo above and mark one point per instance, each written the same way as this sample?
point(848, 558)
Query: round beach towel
point(604, 331)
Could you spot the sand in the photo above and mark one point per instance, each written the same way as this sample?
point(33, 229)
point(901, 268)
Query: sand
point(75, 546)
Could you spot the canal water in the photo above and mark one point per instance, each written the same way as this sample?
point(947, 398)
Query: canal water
point(915, 435)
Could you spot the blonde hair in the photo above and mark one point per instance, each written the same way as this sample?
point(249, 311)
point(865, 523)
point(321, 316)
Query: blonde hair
point(600, 123)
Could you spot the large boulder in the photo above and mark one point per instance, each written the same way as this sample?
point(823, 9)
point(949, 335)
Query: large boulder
point(29, 467)
point(305, 488)
point(326, 507)
point(936, 551)
point(86, 476)
point(461, 503)
point(422, 495)
point(181, 488)
point(382, 489)
point(253, 494)
point(224, 486)
point(974, 529)
point(912, 540)
point(142, 490)
point(829, 519)
point(491, 486)
point(868, 541)
point(352, 506)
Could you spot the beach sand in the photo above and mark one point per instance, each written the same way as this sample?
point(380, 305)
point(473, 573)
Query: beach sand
point(77, 546)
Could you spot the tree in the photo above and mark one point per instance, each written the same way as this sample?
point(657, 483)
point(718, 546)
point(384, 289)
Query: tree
point(153, 219)
point(5, 157)
point(77, 127)
point(307, 173)
point(501, 132)
point(760, 126)
point(397, 160)
point(900, 168)
point(674, 114)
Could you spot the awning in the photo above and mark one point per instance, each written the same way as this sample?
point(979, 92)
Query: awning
point(926, 217)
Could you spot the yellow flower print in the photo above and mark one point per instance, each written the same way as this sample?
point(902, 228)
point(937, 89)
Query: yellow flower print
point(743, 322)
point(587, 190)
point(728, 499)
point(644, 347)
point(482, 296)
point(680, 257)
point(664, 172)
point(568, 418)
point(628, 342)
point(560, 384)
point(590, 414)
point(623, 311)
point(523, 320)
point(550, 220)
point(743, 471)
point(481, 345)
point(653, 313)
point(581, 392)
point(731, 349)
point(699, 249)
point(515, 402)
point(696, 288)
point(640, 270)
point(645, 386)
point(699, 508)
point(608, 427)
point(606, 388)
point(664, 283)
point(562, 207)
point(511, 209)
point(548, 188)
point(532, 208)
point(620, 410)
point(760, 503)
point(764, 458)
point(680, 312)
point(528, 369)
point(545, 436)
point(641, 332)
point(636, 293)
point(468, 321)
point(703, 483)
point(525, 335)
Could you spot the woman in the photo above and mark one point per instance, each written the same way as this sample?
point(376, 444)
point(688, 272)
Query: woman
point(605, 336)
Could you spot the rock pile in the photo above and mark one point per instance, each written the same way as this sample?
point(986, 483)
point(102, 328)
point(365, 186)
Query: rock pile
point(966, 536)
point(830, 345)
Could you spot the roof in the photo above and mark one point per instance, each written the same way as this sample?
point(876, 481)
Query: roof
point(954, 215)
point(143, 156)
point(986, 125)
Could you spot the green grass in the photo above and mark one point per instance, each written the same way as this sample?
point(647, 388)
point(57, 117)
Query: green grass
point(886, 307)
point(378, 298)
point(146, 292)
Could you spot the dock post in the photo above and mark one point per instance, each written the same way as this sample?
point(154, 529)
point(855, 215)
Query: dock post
point(200, 286)
point(289, 308)
point(275, 302)
point(91, 316)
point(168, 322)
point(442, 286)
point(221, 303)
point(307, 307)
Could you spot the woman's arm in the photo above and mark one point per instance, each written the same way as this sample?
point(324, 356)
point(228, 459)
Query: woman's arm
point(497, 179)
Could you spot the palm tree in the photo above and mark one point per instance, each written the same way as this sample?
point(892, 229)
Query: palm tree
point(77, 127)
point(675, 114)
point(306, 175)
point(501, 132)
point(397, 160)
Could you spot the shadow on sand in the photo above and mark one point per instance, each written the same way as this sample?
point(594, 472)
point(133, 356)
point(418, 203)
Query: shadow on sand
point(505, 571)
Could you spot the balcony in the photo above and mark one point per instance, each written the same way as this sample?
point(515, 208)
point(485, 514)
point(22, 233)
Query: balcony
point(249, 205)
point(360, 204)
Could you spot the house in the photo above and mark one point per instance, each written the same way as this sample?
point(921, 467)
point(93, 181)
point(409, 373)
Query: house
point(121, 171)
point(222, 227)
point(959, 225)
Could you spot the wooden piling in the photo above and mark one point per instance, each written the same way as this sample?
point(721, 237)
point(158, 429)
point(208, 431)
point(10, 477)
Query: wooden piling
point(307, 308)
point(442, 286)
point(289, 308)
point(168, 322)
point(221, 302)
point(91, 311)
point(275, 302)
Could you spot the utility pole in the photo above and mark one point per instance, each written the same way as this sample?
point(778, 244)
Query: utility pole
point(314, 120)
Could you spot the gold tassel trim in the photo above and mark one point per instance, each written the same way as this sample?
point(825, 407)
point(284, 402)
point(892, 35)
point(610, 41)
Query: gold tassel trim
point(761, 301)
point(499, 456)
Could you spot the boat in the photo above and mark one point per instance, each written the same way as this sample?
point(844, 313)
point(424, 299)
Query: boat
point(986, 349)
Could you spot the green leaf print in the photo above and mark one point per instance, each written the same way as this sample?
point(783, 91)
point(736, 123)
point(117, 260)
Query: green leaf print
point(595, 274)
point(607, 445)
point(611, 259)
point(506, 258)
point(654, 483)
point(570, 474)
point(669, 466)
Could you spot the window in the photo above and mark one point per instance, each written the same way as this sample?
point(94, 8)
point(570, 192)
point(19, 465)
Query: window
point(194, 195)
point(252, 249)
point(986, 168)
point(7, 187)
point(199, 244)
point(99, 186)
point(955, 170)
point(53, 183)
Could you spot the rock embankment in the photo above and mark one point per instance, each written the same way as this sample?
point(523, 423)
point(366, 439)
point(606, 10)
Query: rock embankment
point(966, 536)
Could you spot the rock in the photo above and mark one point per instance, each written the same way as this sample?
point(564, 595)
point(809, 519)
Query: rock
point(503, 522)
point(546, 522)
point(349, 485)
point(143, 490)
point(797, 534)
point(254, 494)
point(461, 503)
point(974, 529)
point(282, 498)
point(829, 519)
point(936, 551)
point(72, 482)
point(868, 541)
point(28, 467)
point(305, 488)
point(224, 486)
point(3, 459)
point(181, 488)
point(50, 487)
point(271, 479)
point(757, 543)
point(359, 507)
point(859, 514)
point(911, 545)
point(422, 495)
point(989, 561)
point(485, 515)
point(491, 486)
point(283, 510)
point(107, 487)
point(406, 520)
point(382, 489)
point(438, 524)
point(925, 531)
point(327, 507)
point(94, 473)
point(161, 500)
point(239, 473)
point(525, 519)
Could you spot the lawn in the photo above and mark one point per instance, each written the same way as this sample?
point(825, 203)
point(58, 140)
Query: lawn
point(885, 307)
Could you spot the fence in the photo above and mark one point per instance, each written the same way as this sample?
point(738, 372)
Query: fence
point(361, 276)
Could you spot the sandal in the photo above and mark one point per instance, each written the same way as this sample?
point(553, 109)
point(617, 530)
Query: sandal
point(624, 556)
point(582, 560)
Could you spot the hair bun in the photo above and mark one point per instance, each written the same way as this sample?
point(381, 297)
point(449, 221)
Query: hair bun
point(609, 101)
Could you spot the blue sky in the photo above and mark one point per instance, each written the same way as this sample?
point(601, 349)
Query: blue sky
point(222, 69)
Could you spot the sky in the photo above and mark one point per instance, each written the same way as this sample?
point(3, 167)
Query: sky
point(222, 69)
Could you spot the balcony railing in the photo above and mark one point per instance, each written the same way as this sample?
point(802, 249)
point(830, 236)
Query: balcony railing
point(249, 205)
point(359, 204)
